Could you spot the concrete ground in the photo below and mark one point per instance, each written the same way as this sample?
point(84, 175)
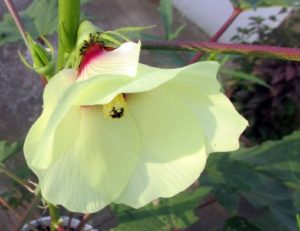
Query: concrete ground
point(21, 89)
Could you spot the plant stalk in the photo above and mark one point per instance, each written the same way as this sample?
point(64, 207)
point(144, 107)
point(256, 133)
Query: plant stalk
point(14, 177)
point(29, 211)
point(68, 23)
point(225, 48)
point(54, 214)
point(86, 217)
point(236, 12)
point(14, 13)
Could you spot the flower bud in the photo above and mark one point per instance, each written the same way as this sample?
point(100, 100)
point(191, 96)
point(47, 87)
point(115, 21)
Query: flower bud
point(42, 58)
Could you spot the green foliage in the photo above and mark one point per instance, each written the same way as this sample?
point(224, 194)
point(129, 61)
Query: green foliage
point(132, 32)
point(259, 186)
point(11, 192)
point(257, 26)
point(248, 4)
point(265, 178)
point(36, 21)
point(244, 76)
point(8, 30)
point(168, 214)
point(172, 58)
point(272, 113)
point(124, 34)
point(279, 159)
point(166, 12)
point(42, 57)
point(8, 149)
point(39, 19)
point(237, 223)
point(44, 21)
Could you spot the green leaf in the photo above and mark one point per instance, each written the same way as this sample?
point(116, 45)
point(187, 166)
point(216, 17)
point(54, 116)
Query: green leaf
point(166, 11)
point(244, 76)
point(8, 149)
point(123, 34)
point(278, 159)
point(176, 212)
point(39, 19)
point(44, 16)
point(9, 31)
point(248, 4)
point(237, 223)
point(133, 30)
point(177, 32)
point(266, 176)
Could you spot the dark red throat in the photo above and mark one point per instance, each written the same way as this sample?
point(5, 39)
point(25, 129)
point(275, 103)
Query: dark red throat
point(89, 53)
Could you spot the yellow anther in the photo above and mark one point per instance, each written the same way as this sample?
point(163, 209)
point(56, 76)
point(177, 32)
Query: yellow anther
point(116, 108)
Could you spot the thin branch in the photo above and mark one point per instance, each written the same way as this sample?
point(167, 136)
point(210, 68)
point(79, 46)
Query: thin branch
point(15, 178)
point(207, 203)
point(225, 48)
point(9, 207)
point(15, 15)
point(225, 26)
point(29, 211)
point(236, 12)
point(86, 217)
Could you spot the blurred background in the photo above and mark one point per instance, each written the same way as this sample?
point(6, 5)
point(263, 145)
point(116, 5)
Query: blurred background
point(255, 188)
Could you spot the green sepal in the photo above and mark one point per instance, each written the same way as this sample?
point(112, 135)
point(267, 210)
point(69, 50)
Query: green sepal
point(42, 58)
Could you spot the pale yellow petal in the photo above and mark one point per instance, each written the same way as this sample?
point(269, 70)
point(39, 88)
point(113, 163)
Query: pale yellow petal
point(56, 87)
point(222, 124)
point(37, 154)
point(121, 61)
point(173, 147)
point(93, 160)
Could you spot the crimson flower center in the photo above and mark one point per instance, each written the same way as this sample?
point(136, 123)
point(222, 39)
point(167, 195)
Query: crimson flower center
point(89, 53)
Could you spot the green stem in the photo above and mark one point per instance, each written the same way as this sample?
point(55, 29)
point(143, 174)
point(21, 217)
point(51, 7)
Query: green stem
point(68, 22)
point(54, 214)
point(14, 177)
point(225, 48)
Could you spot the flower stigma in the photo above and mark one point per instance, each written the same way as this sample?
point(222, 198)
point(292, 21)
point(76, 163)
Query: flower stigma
point(116, 108)
point(90, 49)
point(94, 39)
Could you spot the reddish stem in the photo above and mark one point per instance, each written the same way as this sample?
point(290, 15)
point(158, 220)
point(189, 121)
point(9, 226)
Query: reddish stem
point(236, 12)
point(15, 15)
point(86, 217)
point(284, 53)
point(226, 25)
point(208, 203)
point(44, 81)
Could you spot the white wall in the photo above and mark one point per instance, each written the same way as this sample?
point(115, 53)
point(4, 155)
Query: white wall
point(211, 14)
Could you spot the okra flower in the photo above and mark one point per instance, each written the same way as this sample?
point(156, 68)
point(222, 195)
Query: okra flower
point(119, 131)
